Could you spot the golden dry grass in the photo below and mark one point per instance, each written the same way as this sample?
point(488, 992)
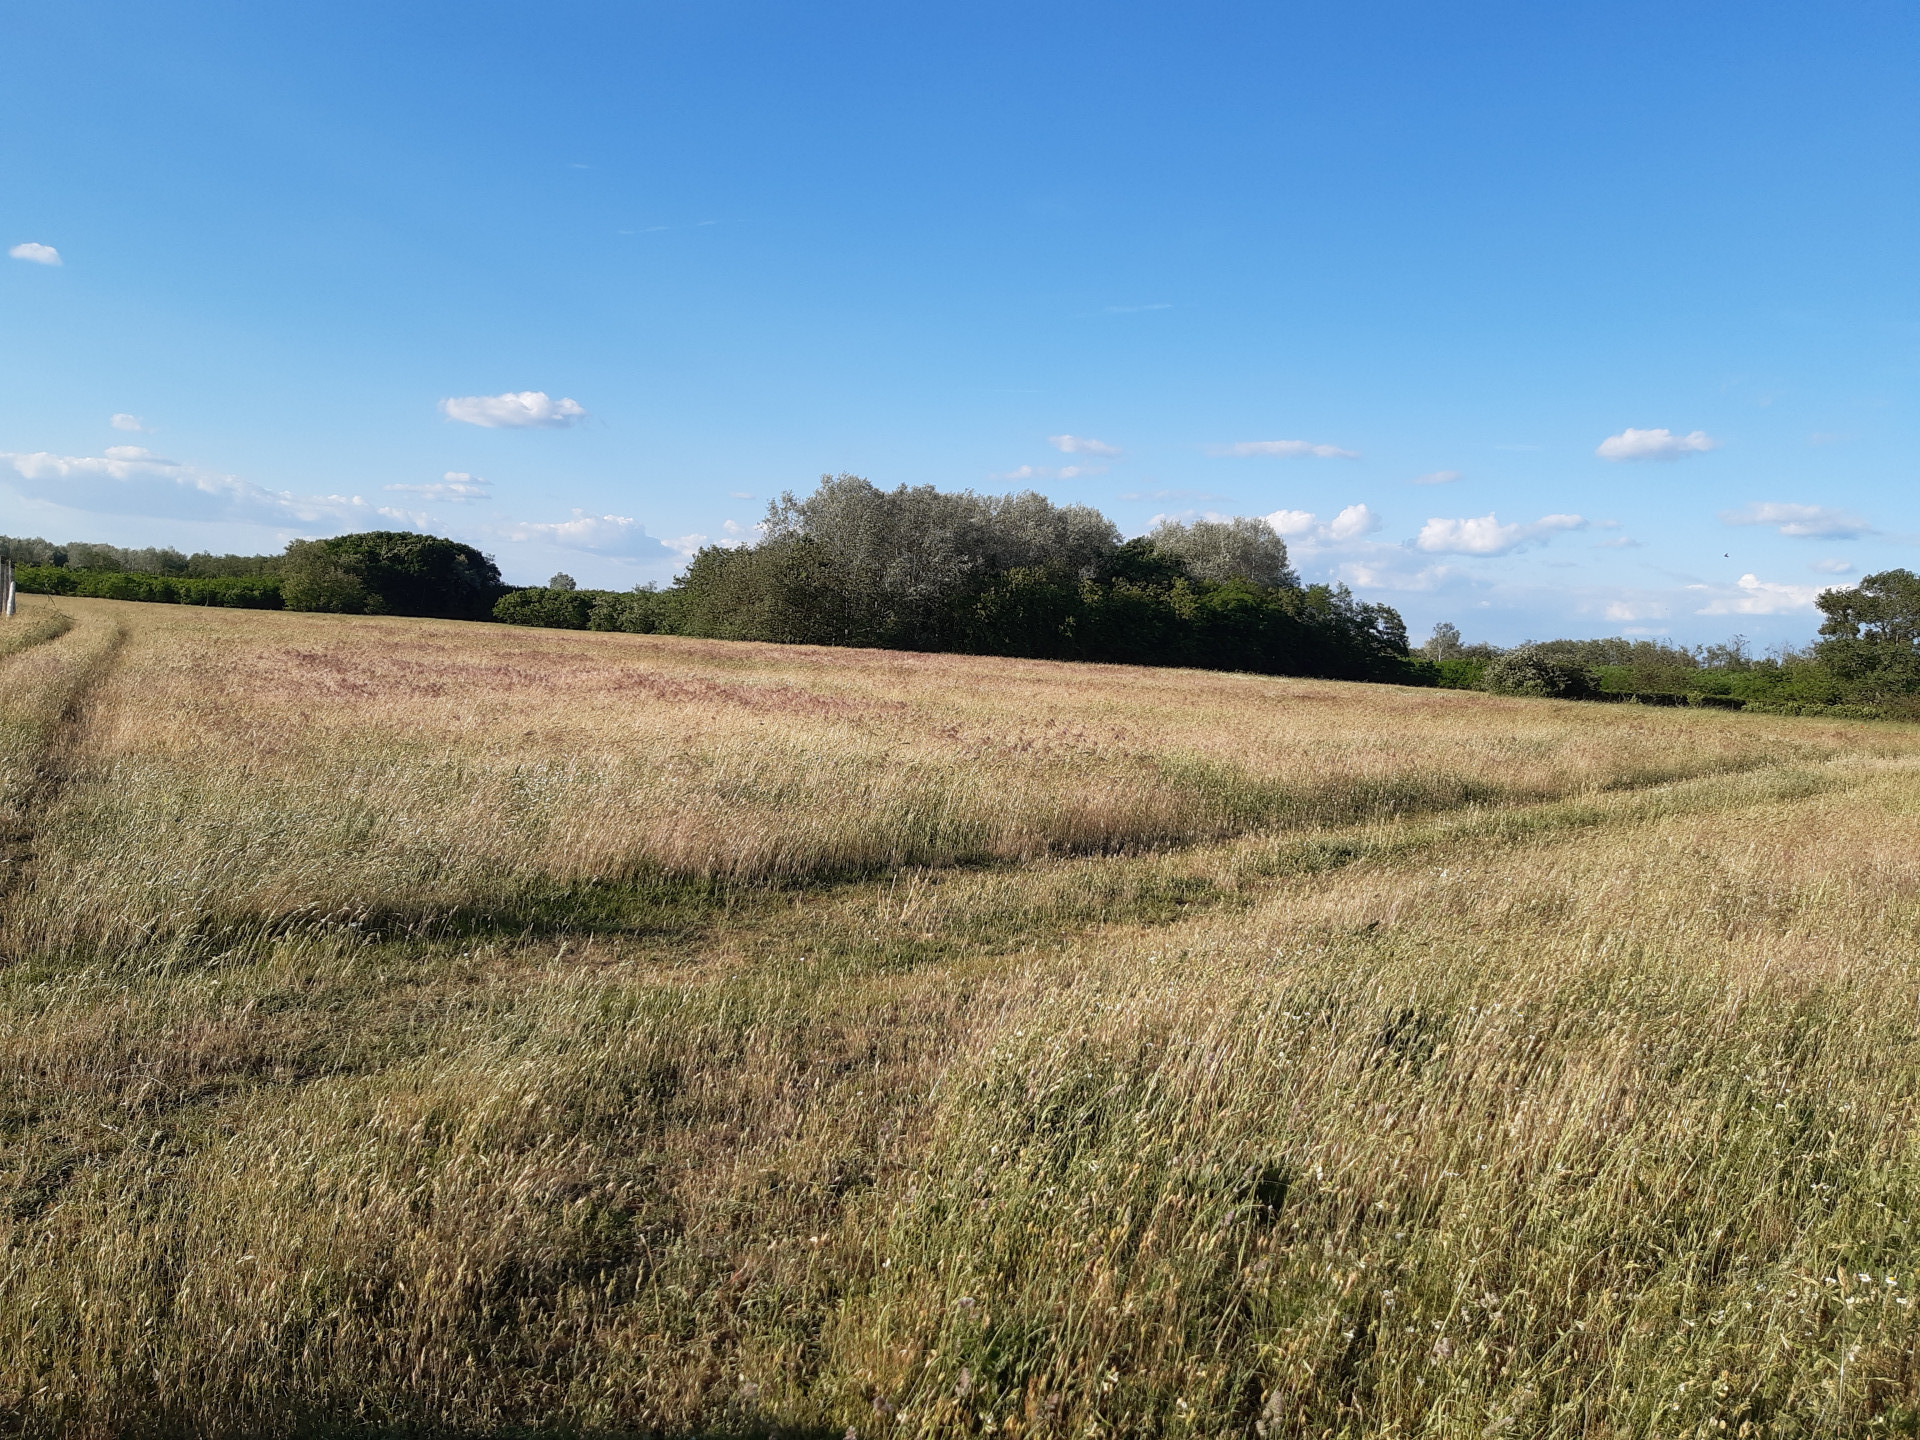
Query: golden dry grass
point(450, 1029)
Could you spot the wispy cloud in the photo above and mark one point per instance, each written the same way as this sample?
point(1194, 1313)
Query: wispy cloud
point(131, 480)
point(1831, 567)
point(1437, 477)
point(1801, 521)
point(457, 486)
point(1485, 535)
point(1751, 595)
point(1171, 495)
point(124, 421)
point(1082, 445)
point(515, 410)
point(1662, 444)
point(599, 534)
point(1627, 611)
point(35, 254)
point(1048, 472)
point(1286, 449)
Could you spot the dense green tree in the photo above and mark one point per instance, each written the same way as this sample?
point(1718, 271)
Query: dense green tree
point(312, 577)
point(391, 572)
point(857, 565)
point(556, 607)
point(1870, 639)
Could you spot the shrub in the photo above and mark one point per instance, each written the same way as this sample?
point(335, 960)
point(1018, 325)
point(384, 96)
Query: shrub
point(1526, 671)
point(1460, 674)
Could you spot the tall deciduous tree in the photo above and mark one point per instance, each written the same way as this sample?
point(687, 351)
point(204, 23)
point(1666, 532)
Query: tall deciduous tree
point(1871, 636)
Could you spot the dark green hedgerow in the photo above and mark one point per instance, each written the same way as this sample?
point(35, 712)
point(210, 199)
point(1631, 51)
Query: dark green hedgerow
point(244, 592)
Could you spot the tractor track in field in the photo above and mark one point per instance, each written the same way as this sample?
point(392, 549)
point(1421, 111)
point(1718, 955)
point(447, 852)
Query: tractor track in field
point(53, 767)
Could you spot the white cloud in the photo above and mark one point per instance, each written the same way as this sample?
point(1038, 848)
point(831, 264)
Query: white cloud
point(1485, 535)
point(1284, 448)
point(124, 421)
point(686, 544)
point(1631, 444)
point(516, 410)
point(1081, 445)
point(1802, 521)
point(456, 485)
point(1292, 523)
point(131, 480)
point(36, 254)
point(1303, 526)
point(1832, 567)
point(602, 534)
point(1754, 596)
point(1352, 522)
point(1437, 477)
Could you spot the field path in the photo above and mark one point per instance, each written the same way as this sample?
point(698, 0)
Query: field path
point(51, 670)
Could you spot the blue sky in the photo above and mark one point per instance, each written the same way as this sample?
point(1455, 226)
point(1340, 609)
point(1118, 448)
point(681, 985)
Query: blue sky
point(1541, 319)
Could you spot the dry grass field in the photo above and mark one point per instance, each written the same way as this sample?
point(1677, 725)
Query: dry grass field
point(422, 1028)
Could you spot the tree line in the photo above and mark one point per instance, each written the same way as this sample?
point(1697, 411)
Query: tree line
point(915, 568)
point(1865, 662)
point(381, 572)
point(920, 569)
